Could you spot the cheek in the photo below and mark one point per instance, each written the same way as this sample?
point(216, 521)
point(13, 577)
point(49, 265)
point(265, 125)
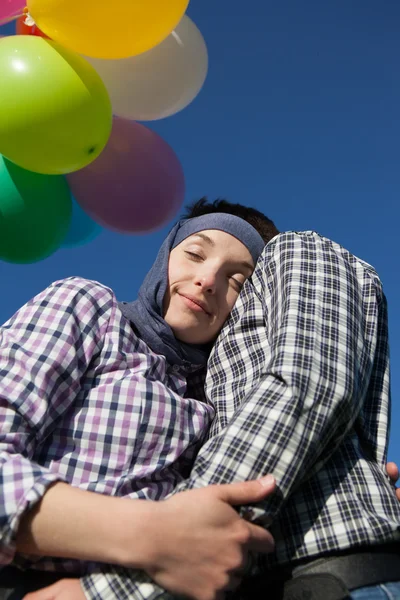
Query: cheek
point(177, 271)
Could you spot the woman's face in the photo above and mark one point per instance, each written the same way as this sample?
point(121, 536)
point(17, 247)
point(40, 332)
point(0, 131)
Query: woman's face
point(205, 275)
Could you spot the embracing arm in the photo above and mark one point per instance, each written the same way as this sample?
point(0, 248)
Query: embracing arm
point(302, 342)
point(71, 523)
point(119, 584)
point(192, 544)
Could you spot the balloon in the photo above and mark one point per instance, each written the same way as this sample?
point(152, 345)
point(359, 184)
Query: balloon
point(82, 228)
point(136, 184)
point(103, 29)
point(160, 82)
point(22, 29)
point(9, 8)
point(55, 113)
point(35, 211)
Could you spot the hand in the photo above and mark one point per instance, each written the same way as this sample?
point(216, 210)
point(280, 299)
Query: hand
point(393, 472)
point(65, 589)
point(202, 544)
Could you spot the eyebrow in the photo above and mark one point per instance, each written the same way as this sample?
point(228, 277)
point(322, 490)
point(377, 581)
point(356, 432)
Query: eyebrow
point(211, 242)
point(205, 237)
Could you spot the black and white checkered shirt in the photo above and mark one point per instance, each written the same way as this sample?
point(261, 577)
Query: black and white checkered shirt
point(299, 379)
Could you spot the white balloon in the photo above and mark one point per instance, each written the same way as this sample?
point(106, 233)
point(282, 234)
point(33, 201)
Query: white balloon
point(160, 82)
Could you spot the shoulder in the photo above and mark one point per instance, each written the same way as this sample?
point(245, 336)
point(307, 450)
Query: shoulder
point(78, 286)
point(76, 294)
point(317, 245)
point(68, 309)
point(309, 252)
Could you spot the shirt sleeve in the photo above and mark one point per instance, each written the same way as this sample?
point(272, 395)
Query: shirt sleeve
point(116, 583)
point(296, 359)
point(45, 348)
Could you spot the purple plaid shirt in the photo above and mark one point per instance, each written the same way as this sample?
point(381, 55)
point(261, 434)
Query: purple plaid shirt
point(84, 400)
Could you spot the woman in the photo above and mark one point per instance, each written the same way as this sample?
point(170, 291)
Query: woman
point(94, 399)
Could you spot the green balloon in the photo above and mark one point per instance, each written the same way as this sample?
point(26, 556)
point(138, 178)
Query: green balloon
point(55, 112)
point(35, 213)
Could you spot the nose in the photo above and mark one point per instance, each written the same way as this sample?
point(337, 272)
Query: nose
point(207, 282)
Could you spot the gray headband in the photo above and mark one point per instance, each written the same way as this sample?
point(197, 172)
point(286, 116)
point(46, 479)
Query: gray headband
point(239, 228)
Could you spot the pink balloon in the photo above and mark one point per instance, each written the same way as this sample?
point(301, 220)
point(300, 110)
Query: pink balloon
point(9, 8)
point(136, 185)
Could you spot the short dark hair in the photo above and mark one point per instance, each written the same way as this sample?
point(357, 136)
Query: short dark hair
point(265, 227)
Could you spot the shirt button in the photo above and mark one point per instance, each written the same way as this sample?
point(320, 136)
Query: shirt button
point(176, 368)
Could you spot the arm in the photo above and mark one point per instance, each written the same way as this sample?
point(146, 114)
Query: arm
point(300, 371)
point(71, 523)
point(125, 583)
point(192, 552)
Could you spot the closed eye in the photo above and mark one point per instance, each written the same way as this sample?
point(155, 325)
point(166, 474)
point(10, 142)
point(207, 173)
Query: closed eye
point(194, 256)
point(238, 284)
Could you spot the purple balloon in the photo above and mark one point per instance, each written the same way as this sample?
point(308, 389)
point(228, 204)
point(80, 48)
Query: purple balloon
point(136, 185)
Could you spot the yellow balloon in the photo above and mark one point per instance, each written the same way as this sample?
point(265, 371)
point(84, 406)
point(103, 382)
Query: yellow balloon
point(101, 29)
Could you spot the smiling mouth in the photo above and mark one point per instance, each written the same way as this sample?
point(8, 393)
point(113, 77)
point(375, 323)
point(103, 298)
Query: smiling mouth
point(194, 305)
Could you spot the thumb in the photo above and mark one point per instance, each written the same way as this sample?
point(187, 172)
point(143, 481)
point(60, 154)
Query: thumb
point(245, 492)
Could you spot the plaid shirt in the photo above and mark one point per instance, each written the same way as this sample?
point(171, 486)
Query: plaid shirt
point(299, 379)
point(84, 400)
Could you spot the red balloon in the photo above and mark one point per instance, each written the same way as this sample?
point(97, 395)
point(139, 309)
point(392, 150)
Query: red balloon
point(22, 29)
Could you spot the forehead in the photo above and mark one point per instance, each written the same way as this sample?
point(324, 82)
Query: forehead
point(222, 243)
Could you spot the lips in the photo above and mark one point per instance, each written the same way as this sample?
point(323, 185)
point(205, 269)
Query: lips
point(198, 302)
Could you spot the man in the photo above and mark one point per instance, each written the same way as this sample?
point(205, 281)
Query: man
point(300, 382)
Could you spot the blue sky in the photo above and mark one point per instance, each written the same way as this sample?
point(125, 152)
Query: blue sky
point(299, 118)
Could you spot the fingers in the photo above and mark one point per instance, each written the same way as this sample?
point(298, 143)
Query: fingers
point(246, 492)
point(398, 494)
point(261, 540)
point(392, 471)
point(48, 593)
point(64, 589)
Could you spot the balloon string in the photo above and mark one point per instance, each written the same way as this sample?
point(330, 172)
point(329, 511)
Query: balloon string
point(28, 20)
